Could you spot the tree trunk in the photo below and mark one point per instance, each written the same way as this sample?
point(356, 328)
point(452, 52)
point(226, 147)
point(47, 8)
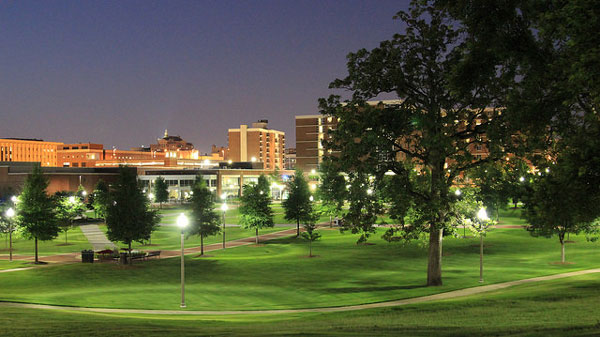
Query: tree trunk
point(330, 221)
point(201, 245)
point(562, 252)
point(434, 266)
point(67, 236)
point(309, 248)
point(297, 227)
point(36, 251)
point(256, 235)
point(130, 259)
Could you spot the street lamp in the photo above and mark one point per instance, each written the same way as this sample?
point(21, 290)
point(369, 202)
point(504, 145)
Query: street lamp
point(182, 222)
point(522, 179)
point(482, 215)
point(457, 192)
point(14, 199)
point(10, 213)
point(224, 209)
point(369, 191)
point(311, 198)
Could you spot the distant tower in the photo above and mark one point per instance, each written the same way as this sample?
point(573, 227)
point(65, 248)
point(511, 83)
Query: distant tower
point(166, 133)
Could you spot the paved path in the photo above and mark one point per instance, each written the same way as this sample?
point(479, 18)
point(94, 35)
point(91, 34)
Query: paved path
point(76, 257)
point(96, 237)
point(436, 297)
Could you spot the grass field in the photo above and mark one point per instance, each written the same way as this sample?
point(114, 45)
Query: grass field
point(76, 243)
point(551, 308)
point(278, 275)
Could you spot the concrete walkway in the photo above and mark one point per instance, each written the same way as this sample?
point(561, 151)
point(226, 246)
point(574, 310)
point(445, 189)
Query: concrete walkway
point(436, 297)
point(96, 237)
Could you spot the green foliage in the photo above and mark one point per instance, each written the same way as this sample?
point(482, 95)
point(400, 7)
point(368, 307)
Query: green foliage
point(310, 230)
point(80, 193)
point(564, 197)
point(255, 206)
point(298, 206)
point(129, 217)
point(35, 209)
point(332, 191)
point(433, 126)
point(101, 198)
point(205, 220)
point(364, 207)
point(161, 190)
point(67, 209)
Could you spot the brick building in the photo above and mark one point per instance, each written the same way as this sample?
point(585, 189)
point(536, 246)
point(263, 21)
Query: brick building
point(29, 150)
point(257, 144)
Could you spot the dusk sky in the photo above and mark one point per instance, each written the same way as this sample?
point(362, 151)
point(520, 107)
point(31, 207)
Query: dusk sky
point(121, 72)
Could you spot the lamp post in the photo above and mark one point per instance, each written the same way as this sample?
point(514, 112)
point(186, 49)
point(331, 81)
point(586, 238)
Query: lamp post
point(224, 209)
point(182, 222)
point(10, 213)
point(482, 215)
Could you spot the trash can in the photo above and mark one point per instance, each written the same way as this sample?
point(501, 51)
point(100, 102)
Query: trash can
point(123, 257)
point(87, 256)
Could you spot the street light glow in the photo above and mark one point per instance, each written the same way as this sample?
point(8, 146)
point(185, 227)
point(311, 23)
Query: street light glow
point(224, 207)
point(151, 196)
point(311, 198)
point(10, 212)
point(84, 193)
point(182, 221)
point(13, 198)
point(482, 214)
point(457, 192)
point(71, 199)
point(223, 196)
point(313, 171)
point(522, 179)
point(369, 191)
point(253, 159)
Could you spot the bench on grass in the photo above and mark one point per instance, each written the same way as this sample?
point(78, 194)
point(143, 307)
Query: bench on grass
point(153, 253)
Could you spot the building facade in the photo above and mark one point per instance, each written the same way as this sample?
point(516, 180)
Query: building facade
point(29, 150)
point(311, 130)
point(257, 144)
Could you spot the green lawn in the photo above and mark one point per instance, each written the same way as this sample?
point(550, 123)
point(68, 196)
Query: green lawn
point(278, 275)
point(76, 243)
point(5, 264)
point(169, 237)
point(551, 308)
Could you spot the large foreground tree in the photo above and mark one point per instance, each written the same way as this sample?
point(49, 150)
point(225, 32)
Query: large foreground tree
point(129, 217)
point(426, 136)
point(36, 214)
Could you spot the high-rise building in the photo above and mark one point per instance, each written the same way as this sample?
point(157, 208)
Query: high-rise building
point(290, 158)
point(311, 130)
point(29, 150)
point(257, 144)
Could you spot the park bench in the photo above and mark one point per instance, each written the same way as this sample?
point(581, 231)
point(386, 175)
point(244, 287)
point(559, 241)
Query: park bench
point(153, 253)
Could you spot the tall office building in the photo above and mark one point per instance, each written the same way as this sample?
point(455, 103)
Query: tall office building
point(311, 130)
point(257, 144)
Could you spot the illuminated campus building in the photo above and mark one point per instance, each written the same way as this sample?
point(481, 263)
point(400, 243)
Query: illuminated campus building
point(257, 144)
point(29, 150)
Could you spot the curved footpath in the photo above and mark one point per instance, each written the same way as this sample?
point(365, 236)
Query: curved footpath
point(429, 298)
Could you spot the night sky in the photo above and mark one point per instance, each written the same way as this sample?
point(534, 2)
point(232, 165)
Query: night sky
point(121, 72)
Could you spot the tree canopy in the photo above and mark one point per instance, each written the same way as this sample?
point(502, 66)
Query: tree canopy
point(298, 206)
point(129, 217)
point(425, 137)
point(255, 206)
point(205, 220)
point(36, 213)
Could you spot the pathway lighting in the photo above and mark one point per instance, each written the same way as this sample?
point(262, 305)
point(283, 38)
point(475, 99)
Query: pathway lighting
point(10, 213)
point(457, 192)
point(369, 191)
point(182, 222)
point(14, 199)
point(311, 198)
point(482, 215)
point(522, 179)
point(224, 208)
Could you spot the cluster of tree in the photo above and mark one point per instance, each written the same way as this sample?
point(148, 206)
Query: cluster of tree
point(40, 216)
point(514, 78)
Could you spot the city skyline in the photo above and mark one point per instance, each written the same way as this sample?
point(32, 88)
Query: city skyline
point(119, 74)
